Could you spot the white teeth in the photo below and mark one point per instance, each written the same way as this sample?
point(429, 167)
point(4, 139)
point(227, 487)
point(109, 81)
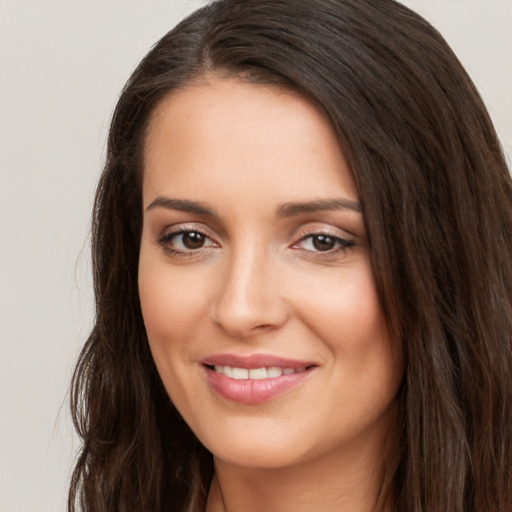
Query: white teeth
point(240, 373)
point(258, 373)
point(255, 373)
point(274, 371)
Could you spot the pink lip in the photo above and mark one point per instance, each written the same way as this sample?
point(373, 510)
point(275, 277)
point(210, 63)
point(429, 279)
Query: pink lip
point(254, 361)
point(249, 391)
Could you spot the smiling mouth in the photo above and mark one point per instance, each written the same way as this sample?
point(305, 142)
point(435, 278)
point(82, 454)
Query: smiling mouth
point(262, 373)
point(254, 380)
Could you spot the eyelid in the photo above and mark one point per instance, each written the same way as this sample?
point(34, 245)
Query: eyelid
point(174, 234)
point(342, 242)
point(312, 229)
point(175, 230)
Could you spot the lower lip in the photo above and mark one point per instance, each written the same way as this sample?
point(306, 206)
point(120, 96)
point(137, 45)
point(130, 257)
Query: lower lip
point(254, 391)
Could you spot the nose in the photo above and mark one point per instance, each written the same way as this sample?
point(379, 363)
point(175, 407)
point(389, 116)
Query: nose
point(249, 299)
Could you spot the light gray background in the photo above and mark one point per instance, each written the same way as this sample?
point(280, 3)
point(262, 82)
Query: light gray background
point(62, 65)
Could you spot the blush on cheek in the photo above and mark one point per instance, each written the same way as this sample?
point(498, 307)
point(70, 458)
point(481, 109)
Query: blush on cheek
point(349, 306)
point(171, 317)
point(160, 302)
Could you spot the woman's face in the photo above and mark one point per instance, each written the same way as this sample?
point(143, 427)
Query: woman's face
point(255, 280)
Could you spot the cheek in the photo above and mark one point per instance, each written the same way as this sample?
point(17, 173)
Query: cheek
point(171, 300)
point(346, 311)
point(170, 307)
point(348, 318)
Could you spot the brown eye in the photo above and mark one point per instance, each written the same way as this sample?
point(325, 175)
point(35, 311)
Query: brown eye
point(193, 239)
point(323, 242)
point(185, 241)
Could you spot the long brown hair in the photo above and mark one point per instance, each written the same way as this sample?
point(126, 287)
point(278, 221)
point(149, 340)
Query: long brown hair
point(437, 200)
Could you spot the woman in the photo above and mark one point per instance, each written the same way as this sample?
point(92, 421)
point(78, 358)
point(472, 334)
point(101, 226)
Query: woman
point(303, 275)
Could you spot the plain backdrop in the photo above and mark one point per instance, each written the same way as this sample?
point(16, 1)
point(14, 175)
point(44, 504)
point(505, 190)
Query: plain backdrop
point(62, 65)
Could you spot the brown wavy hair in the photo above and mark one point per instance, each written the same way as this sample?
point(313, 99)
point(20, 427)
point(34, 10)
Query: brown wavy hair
point(437, 199)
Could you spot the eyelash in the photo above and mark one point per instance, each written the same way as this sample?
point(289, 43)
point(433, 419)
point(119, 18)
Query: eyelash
point(166, 242)
point(342, 245)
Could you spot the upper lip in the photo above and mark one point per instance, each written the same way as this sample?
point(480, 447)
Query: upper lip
point(254, 361)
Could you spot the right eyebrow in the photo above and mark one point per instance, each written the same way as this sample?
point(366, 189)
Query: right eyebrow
point(182, 205)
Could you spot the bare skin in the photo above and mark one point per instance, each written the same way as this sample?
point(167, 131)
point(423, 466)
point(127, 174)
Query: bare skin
point(345, 483)
point(254, 249)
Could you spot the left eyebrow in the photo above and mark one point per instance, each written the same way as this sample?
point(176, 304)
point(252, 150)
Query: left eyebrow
point(293, 209)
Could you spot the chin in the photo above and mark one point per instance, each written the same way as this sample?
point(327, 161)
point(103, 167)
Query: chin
point(256, 448)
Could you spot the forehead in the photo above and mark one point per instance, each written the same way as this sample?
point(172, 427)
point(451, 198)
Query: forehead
point(214, 99)
point(253, 137)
